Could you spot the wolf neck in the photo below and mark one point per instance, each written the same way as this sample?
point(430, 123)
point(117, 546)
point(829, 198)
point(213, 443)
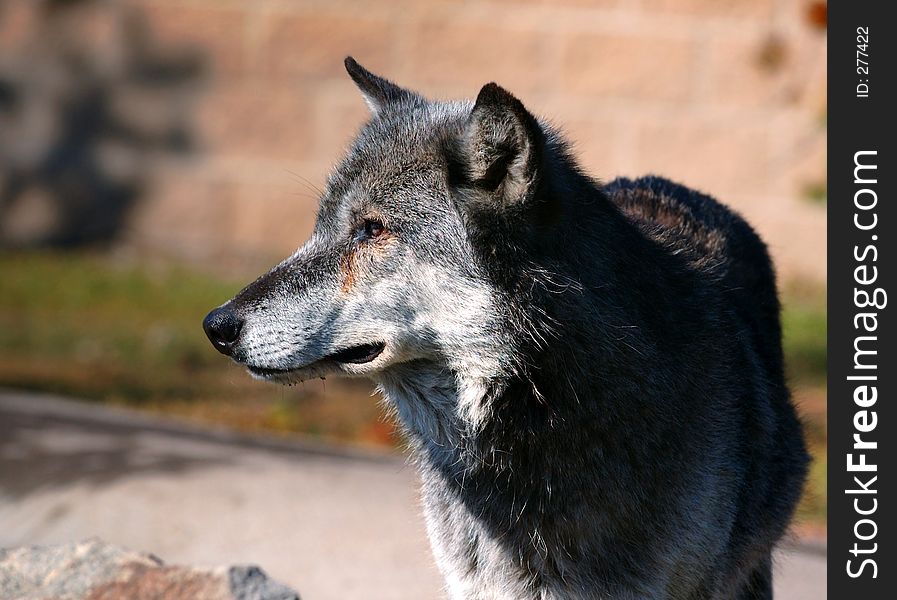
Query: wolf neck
point(438, 408)
point(463, 428)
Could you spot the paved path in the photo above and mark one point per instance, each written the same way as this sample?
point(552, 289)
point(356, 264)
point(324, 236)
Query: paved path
point(332, 523)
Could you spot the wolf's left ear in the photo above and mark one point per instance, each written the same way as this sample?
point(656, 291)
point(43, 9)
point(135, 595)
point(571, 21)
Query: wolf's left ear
point(379, 93)
point(503, 145)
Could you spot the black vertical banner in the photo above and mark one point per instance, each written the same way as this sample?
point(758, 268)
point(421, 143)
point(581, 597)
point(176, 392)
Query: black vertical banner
point(862, 366)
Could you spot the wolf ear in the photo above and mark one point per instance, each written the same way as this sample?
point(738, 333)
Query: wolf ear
point(503, 145)
point(379, 93)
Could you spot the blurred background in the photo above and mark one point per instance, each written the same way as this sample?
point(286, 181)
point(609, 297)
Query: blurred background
point(156, 155)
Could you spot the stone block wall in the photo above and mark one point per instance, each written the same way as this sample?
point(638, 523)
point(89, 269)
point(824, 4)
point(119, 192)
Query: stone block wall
point(727, 96)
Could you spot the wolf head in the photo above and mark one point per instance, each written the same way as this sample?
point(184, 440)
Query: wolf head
point(418, 258)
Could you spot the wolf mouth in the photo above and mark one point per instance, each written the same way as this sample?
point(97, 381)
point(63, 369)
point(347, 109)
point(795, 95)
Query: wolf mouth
point(356, 355)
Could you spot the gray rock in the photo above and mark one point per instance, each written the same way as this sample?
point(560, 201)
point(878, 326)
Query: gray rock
point(251, 583)
point(95, 570)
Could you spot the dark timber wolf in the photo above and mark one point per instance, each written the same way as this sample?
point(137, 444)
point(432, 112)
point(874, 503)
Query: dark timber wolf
point(590, 376)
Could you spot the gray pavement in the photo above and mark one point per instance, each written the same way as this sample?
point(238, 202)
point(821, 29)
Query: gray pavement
point(330, 522)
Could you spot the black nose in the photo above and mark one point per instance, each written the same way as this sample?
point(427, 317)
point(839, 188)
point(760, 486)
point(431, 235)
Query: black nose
point(223, 328)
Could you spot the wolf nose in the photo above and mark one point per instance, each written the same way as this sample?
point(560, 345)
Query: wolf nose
point(222, 327)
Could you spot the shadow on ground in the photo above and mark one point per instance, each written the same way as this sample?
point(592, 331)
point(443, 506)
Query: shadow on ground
point(90, 454)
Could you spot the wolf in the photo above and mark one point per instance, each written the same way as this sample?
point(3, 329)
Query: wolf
point(590, 377)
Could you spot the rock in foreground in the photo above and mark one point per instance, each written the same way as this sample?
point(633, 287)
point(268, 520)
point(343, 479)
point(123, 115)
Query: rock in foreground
point(94, 570)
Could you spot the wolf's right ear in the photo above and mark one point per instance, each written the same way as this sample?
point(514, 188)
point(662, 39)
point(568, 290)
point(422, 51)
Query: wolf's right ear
point(379, 93)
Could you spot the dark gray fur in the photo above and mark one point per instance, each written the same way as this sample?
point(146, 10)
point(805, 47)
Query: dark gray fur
point(590, 376)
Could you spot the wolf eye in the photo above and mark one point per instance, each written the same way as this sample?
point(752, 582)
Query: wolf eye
point(373, 228)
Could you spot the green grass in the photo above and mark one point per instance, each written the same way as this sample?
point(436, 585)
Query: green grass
point(804, 334)
point(131, 333)
point(126, 333)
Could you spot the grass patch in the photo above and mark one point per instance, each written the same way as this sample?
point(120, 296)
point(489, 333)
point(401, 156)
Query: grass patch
point(128, 334)
point(804, 333)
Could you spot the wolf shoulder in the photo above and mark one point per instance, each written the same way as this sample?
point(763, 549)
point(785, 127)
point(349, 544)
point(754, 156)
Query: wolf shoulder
point(690, 222)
